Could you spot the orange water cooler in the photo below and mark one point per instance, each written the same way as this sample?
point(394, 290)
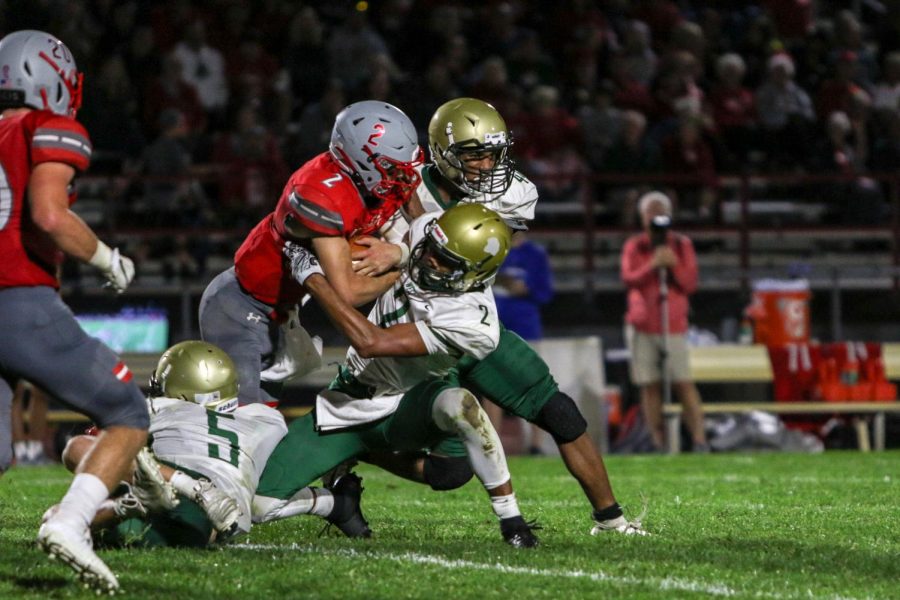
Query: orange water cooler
point(780, 311)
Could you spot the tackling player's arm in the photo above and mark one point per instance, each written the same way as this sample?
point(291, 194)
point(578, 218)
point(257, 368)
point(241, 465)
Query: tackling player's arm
point(368, 339)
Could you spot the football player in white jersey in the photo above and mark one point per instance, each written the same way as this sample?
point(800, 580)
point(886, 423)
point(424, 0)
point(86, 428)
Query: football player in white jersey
point(207, 456)
point(397, 389)
point(470, 163)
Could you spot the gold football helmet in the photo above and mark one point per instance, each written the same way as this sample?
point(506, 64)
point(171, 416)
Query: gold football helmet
point(462, 250)
point(469, 145)
point(197, 372)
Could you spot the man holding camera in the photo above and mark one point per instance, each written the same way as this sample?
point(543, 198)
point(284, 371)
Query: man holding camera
point(659, 269)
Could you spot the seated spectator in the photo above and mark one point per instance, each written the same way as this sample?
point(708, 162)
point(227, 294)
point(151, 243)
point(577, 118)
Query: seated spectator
point(843, 151)
point(885, 156)
point(490, 82)
point(351, 43)
point(253, 170)
point(848, 39)
point(785, 114)
point(886, 95)
point(256, 78)
point(313, 131)
point(639, 61)
point(529, 65)
point(548, 138)
point(168, 188)
point(203, 68)
point(304, 56)
point(633, 153)
point(836, 92)
point(422, 94)
point(110, 113)
point(170, 91)
point(734, 110)
point(686, 154)
point(601, 124)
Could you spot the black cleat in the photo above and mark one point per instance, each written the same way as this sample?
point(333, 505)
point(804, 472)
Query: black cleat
point(346, 514)
point(518, 533)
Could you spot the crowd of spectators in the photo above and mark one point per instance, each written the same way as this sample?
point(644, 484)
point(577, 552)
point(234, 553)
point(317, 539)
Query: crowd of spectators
point(237, 94)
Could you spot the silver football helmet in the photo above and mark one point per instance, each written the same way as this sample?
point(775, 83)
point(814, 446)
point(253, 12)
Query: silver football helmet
point(38, 70)
point(375, 144)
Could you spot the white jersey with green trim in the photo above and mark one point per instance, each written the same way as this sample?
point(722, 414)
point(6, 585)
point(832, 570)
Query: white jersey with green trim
point(231, 449)
point(451, 325)
point(516, 205)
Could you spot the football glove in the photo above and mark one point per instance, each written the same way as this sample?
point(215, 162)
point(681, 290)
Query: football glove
point(303, 262)
point(118, 269)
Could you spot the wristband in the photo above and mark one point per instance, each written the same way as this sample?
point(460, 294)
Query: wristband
point(102, 258)
point(404, 254)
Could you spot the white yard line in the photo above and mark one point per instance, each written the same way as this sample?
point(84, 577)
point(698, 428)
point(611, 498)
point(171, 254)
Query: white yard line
point(668, 583)
point(663, 584)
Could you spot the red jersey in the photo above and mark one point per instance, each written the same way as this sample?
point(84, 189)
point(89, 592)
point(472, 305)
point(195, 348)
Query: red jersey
point(30, 256)
point(321, 197)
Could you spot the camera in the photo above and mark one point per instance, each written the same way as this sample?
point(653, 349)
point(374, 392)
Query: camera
point(659, 226)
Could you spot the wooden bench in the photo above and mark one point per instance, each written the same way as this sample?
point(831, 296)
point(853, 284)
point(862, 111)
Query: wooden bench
point(732, 363)
point(878, 410)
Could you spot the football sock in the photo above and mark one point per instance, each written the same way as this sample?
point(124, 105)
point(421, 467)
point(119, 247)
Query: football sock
point(612, 511)
point(21, 450)
point(35, 449)
point(505, 507)
point(308, 501)
point(457, 411)
point(183, 483)
point(82, 501)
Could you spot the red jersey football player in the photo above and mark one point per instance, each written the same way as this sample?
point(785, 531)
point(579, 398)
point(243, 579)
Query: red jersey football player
point(42, 148)
point(354, 189)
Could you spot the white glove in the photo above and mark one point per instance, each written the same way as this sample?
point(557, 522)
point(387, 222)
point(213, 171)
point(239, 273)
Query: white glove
point(303, 262)
point(297, 355)
point(118, 269)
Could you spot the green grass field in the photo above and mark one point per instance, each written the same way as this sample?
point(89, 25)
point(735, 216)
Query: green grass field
point(742, 526)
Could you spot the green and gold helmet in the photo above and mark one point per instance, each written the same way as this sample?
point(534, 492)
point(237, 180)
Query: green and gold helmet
point(197, 372)
point(461, 250)
point(462, 134)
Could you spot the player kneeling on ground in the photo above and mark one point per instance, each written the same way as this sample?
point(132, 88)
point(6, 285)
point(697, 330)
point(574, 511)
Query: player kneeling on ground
point(196, 485)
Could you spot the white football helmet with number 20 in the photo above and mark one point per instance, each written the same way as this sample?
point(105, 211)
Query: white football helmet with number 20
point(38, 70)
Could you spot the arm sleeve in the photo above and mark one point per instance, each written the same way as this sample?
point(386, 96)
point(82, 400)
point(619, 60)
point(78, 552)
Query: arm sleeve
point(395, 229)
point(468, 329)
point(517, 205)
point(61, 139)
point(316, 210)
point(635, 272)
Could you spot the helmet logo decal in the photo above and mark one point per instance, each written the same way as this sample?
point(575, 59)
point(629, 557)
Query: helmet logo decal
point(206, 398)
point(4, 76)
point(449, 132)
point(492, 246)
point(497, 138)
point(439, 236)
point(379, 131)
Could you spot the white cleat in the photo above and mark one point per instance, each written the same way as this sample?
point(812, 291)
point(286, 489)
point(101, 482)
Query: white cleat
point(619, 525)
point(73, 547)
point(221, 508)
point(150, 487)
